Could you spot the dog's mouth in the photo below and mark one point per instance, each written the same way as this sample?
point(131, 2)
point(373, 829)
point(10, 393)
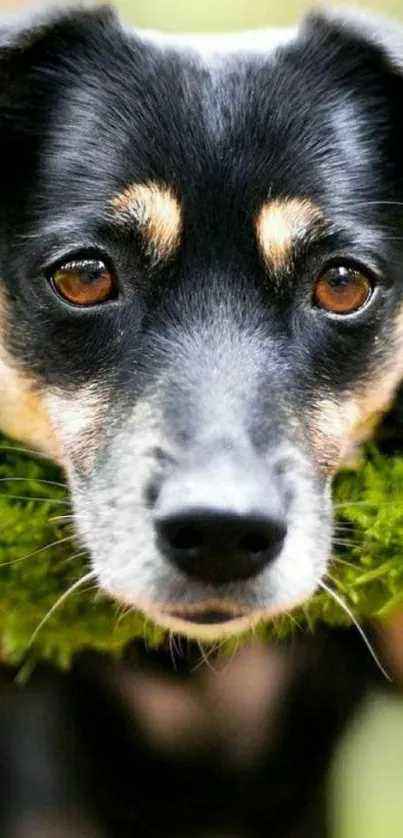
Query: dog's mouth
point(207, 622)
point(206, 617)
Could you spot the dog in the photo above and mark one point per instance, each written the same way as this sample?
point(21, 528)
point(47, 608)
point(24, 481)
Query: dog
point(201, 310)
point(201, 295)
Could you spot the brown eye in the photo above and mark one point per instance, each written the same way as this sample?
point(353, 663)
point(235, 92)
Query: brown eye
point(85, 283)
point(342, 290)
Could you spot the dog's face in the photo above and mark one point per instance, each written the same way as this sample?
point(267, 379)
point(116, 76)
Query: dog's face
point(201, 298)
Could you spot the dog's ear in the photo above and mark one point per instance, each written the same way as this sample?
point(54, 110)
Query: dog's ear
point(27, 36)
point(22, 30)
point(358, 30)
point(44, 55)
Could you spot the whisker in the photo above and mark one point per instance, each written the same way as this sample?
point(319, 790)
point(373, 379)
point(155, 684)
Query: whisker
point(125, 611)
point(172, 650)
point(87, 590)
point(30, 452)
point(74, 587)
point(206, 654)
point(343, 561)
point(39, 550)
point(176, 644)
point(33, 480)
point(119, 611)
point(205, 657)
point(339, 527)
point(74, 556)
point(340, 601)
point(147, 623)
point(359, 204)
point(293, 620)
point(234, 652)
point(345, 542)
point(64, 518)
point(36, 499)
point(119, 608)
point(364, 503)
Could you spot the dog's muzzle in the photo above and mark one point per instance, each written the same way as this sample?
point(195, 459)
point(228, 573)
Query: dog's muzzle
point(204, 508)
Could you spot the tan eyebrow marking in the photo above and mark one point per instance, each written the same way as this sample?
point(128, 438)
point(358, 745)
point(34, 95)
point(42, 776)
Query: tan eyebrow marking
point(156, 211)
point(279, 224)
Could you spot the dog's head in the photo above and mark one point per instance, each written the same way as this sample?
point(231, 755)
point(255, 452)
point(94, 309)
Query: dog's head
point(201, 297)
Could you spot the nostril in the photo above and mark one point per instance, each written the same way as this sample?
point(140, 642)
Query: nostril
point(254, 543)
point(263, 537)
point(184, 538)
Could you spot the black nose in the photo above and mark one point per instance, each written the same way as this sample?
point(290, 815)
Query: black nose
point(219, 542)
point(220, 547)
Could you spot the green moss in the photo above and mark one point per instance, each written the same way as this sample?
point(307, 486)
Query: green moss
point(367, 571)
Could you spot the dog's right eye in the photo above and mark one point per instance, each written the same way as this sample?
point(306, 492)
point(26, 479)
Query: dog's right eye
point(342, 290)
point(85, 282)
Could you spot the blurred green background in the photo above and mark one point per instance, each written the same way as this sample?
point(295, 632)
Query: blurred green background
point(210, 15)
point(215, 15)
point(368, 771)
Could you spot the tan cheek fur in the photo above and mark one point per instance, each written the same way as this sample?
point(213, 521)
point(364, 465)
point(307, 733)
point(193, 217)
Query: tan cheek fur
point(22, 412)
point(338, 428)
point(279, 225)
point(62, 426)
point(155, 211)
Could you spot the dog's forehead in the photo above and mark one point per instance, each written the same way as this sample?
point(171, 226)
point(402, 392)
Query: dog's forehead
point(178, 109)
point(171, 106)
point(235, 117)
point(201, 68)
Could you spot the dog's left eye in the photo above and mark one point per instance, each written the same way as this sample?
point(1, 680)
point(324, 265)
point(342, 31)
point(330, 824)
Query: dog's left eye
point(86, 282)
point(342, 290)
